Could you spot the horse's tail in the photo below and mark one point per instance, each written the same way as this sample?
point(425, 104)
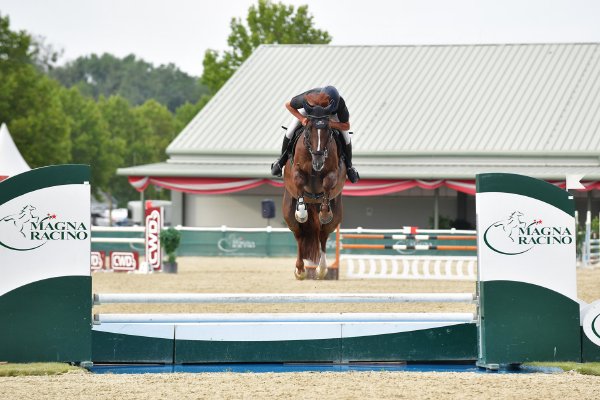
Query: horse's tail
point(309, 239)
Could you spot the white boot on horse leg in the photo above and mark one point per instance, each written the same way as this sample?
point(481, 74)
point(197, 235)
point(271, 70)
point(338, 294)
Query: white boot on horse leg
point(322, 268)
point(300, 275)
point(300, 271)
point(301, 212)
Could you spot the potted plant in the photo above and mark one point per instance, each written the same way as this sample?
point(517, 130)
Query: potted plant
point(170, 239)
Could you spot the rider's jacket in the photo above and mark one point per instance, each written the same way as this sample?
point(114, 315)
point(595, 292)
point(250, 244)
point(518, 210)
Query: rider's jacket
point(341, 110)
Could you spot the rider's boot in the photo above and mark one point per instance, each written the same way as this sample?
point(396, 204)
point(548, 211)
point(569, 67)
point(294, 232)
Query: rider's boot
point(280, 162)
point(352, 173)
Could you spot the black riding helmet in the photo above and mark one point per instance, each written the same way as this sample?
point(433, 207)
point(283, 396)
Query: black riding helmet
point(334, 97)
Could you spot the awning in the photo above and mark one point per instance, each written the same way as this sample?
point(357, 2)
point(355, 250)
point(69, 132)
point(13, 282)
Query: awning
point(365, 187)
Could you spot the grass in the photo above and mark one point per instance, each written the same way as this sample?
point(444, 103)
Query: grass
point(36, 369)
point(592, 368)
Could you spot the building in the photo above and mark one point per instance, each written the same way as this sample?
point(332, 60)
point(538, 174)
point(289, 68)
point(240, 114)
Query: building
point(426, 120)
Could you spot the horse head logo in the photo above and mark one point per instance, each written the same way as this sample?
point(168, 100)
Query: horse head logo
point(21, 219)
point(513, 223)
point(502, 236)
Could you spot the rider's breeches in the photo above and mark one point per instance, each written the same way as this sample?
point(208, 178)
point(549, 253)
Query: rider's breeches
point(289, 133)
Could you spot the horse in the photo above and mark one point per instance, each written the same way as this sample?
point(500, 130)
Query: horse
point(312, 201)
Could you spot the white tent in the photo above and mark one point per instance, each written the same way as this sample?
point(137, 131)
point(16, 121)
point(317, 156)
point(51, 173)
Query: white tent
point(11, 160)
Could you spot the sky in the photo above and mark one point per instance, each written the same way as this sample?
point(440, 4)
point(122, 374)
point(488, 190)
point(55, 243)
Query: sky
point(180, 31)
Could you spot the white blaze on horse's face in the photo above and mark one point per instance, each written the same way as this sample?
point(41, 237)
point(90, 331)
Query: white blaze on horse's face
point(319, 137)
point(318, 156)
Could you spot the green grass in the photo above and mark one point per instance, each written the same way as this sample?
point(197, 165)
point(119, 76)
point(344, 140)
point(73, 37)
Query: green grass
point(592, 368)
point(35, 369)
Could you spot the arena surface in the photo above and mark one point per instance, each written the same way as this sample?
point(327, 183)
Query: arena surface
point(275, 275)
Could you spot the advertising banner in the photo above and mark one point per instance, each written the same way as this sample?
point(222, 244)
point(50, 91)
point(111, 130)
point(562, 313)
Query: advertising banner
point(154, 223)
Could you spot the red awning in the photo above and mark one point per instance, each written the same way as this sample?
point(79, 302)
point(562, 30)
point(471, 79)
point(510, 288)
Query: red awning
point(365, 187)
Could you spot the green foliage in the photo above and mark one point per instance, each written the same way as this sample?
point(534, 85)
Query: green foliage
point(170, 239)
point(90, 138)
point(14, 47)
point(266, 23)
point(135, 80)
point(590, 368)
point(38, 369)
point(34, 114)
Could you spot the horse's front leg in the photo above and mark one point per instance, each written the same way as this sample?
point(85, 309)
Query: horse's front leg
point(329, 183)
point(301, 210)
point(325, 214)
point(300, 272)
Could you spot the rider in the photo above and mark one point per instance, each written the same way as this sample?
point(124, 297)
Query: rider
point(324, 97)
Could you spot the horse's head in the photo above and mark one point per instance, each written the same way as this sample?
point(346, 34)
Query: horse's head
point(27, 209)
point(317, 135)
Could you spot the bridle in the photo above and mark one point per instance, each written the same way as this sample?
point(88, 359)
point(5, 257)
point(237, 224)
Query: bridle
point(307, 144)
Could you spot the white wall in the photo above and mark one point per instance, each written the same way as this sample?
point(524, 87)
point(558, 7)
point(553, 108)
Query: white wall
point(412, 207)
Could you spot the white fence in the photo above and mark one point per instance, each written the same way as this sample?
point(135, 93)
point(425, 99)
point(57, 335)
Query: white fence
point(461, 268)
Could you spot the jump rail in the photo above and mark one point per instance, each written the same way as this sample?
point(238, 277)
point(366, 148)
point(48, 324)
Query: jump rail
point(407, 237)
point(148, 298)
point(283, 317)
point(408, 247)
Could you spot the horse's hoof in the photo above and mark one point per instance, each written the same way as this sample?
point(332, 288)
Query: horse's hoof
point(321, 273)
point(301, 216)
point(326, 220)
point(300, 275)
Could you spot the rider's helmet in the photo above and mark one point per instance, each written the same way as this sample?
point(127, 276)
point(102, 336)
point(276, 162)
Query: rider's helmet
point(334, 97)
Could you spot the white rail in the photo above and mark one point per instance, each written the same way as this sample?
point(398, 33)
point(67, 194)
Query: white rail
point(154, 298)
point(282, 317)
point(462, 268)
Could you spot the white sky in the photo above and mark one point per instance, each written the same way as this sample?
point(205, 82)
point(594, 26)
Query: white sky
point(179, 31)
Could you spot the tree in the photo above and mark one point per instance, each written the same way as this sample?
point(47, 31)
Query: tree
point(132, 134)
point(267, 23)
point(161, 128)
point(133, 79)
point(15, 48)
point(90, 138)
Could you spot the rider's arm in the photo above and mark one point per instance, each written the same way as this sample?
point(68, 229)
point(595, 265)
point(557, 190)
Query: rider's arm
point(341, 126)
point(303, 120)
point(343, 117)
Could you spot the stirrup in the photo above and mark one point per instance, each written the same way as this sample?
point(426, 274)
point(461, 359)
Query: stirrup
point(353, 175)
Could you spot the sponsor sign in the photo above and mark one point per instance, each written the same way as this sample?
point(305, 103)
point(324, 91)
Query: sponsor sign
point(232, 243)
point(521, 238)
point(97, 260)
point(124, 261)
point(153, 228)
point(48, 232)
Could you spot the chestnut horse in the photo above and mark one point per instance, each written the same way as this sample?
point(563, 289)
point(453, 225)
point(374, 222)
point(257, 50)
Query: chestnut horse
point(312, 203)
